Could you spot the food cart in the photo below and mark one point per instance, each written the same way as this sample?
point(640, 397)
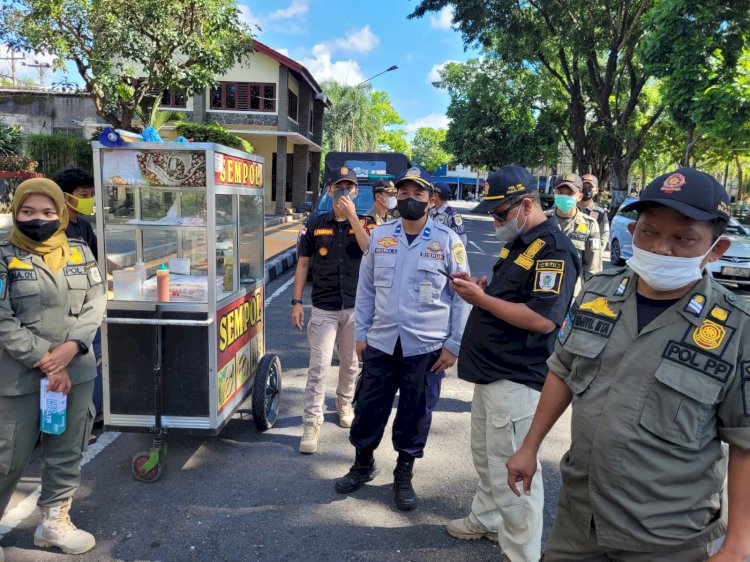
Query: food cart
point(189, 362)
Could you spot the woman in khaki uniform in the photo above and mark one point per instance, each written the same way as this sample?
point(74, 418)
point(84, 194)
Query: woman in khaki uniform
point(52, 301)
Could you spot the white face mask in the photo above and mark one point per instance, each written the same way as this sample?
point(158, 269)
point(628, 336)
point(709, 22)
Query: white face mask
point(509, 231)
point(667, 273)
point(390, 203)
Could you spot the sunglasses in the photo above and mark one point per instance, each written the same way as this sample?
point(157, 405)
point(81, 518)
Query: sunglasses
point(502, 217)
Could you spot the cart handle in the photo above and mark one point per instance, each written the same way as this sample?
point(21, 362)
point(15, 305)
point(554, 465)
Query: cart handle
point(155, 322)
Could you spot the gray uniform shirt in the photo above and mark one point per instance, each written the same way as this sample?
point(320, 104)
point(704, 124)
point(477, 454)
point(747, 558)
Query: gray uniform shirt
point(583, 231)
point(600, 215)
point(650, 410)
point(40, 310)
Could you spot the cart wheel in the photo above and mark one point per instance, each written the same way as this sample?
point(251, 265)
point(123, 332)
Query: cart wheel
point(267, 392)
point(152, 475)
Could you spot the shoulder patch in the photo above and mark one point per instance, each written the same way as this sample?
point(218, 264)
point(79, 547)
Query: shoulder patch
point(3, 286)
point(696, 304)
point(458, 219)
point(526, 259)
point(548, 276)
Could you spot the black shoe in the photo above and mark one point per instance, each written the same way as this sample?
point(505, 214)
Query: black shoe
point(363, 470)
point(406, 497)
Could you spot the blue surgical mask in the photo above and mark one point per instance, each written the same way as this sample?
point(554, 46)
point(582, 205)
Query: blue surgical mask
point(565, 203)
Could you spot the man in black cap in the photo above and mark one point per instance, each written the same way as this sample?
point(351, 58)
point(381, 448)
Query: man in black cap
point(384, 208)
point(443, 213)
point(589, 206)
point(655, 359)
point(507, 340)
point(334, 241)
point(409, 327)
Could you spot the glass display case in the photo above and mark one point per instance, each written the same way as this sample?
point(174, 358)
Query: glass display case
point(193, 212)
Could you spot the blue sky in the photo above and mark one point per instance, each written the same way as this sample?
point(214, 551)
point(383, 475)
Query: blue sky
point(351, 41)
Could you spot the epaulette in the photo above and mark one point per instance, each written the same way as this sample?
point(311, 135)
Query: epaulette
point(731, 298)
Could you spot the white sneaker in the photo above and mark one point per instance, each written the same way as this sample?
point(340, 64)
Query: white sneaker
point(56, 529)
point(309, 442)
point(466, 529)
point(346, 413)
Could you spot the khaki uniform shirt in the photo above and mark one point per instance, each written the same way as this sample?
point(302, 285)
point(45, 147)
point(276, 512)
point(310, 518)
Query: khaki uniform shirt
point(389, 216)
point(583, 231)
point(650, 410)
point(40, 310)
point(600, 214)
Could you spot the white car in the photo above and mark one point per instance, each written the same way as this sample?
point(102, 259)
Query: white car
point(733, 268)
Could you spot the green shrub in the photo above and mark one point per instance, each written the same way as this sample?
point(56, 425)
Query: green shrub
point(212, 132)
point(11, 139)
point(56, 152)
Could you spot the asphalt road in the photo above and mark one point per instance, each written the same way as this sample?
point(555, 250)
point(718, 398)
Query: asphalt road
point(248, 495)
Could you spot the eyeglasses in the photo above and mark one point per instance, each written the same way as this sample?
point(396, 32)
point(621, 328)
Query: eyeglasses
point(502, 217)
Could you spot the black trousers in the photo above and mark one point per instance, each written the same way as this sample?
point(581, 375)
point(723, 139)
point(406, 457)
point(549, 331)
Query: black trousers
point(419, 390)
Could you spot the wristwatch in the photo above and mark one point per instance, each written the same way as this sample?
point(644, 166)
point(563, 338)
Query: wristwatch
point(83, 349)
point(296, 301)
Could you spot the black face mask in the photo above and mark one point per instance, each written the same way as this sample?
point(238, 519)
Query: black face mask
point(37, 229)
point(588, 194)
point(410, 209)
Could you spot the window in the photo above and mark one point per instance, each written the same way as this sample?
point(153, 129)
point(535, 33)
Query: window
point(68, 131)
point(293, 102)
point(173, 98)
point(243, 96)
point(312, 120)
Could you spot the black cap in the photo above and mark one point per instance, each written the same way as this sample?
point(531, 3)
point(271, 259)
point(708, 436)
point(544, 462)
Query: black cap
point(386, 186)
point(443, 189)
point(508, 182)
point(418, 176)
point(695, 194)
point(342, 174)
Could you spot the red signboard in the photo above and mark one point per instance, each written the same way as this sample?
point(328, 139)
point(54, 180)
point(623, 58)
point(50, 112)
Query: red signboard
point(230, 170)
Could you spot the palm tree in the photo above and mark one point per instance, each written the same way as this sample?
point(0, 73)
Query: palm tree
point(156, 118)
point(353, 124)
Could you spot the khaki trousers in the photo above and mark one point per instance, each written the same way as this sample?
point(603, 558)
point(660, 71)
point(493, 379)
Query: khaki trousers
point(324, 327)
point(61, 454)
point(501, 414)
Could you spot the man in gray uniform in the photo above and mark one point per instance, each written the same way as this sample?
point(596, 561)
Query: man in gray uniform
point(588, 206)
point(582, 230)
point(654, 358)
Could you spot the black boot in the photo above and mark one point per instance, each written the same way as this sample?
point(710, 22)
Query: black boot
point(406, 498)
point(364, 469)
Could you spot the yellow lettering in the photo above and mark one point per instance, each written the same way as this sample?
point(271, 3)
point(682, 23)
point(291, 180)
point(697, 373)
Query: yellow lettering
point(223, 333)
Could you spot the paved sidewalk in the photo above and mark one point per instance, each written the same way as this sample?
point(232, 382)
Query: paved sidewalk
point(280, 243)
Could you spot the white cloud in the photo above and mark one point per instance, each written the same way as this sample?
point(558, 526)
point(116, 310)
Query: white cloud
point(296, 8)
point(444, 19)
point(248, 17)
point(323, 67)
point(433, 120)
point(434, 74)
point(358, 40)
point(284, 52)
point(22, 70)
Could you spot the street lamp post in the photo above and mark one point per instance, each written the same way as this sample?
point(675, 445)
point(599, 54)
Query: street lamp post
point(389, 69)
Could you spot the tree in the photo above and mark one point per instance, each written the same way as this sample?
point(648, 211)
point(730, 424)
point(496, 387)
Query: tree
point(588, 48)
point(127, 50)
point(696, 49)
point(428, 150)
point(392, 136)
point(500, 115)
point(353, 124)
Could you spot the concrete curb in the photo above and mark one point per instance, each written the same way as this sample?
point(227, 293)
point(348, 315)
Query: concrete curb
point(273, 220)
point(280, 263)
